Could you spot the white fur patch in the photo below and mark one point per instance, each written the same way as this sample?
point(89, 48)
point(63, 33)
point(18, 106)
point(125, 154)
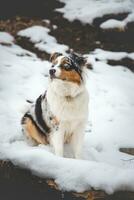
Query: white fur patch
point(57, 66)
point(72, 115)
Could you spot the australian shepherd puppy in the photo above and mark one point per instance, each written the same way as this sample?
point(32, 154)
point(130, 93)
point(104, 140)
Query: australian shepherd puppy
point(60, 114)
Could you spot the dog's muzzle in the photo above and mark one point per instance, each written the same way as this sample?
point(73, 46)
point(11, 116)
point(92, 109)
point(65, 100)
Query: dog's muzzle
point(52, 73)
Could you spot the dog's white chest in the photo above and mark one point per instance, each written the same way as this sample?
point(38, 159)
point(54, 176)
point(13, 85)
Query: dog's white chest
point(66, 109)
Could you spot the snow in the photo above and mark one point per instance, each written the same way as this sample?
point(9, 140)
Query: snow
point(104, 55)
point(18, 70)
point(112, 23)
point(47, 21)
point(110, 125)
point(6, 38)
point(43, 41)
point(88, 10)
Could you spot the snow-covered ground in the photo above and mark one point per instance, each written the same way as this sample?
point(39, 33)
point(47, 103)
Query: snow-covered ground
point(43, 41)
point(111, 119)
point(88, 10)
point(6, 38)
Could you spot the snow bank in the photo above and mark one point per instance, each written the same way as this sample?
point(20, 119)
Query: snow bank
point(43, 41)
point(113, 23)
point(70, 174)
point(6, 38)
point(110, 123)
point(87, 10)
point(104, 55)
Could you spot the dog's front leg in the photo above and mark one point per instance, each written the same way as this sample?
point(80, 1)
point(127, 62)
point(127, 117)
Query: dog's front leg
point(57, 142)
point(77, 142)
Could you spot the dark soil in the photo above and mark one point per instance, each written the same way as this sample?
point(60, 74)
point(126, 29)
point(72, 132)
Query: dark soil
point(127, 62)
point(16, 183)
point(81, 38)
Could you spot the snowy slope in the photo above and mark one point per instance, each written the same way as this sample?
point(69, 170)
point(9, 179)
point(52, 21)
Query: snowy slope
point(43, 41)
point(6, 38)
point(24, 76)
point(87, 10)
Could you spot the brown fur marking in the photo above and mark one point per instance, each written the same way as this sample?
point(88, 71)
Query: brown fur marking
point(72, 76)
point(54, 56)
point(33, 132)
point(64, 60)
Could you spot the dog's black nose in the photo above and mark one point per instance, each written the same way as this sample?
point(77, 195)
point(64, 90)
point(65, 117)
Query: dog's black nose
point(52, 72)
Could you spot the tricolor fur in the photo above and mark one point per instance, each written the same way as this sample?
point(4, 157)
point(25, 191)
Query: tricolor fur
point(60, 114)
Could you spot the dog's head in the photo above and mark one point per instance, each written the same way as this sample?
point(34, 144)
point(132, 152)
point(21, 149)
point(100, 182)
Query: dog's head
point(67, 68)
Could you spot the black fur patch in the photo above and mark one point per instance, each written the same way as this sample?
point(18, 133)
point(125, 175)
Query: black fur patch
point(39, 117)
point(27, 115)
point(74, 64)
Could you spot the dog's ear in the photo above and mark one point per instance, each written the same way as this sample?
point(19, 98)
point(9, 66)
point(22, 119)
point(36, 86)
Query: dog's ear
point(54, 55)
point(87, 63)
point(81, 60)
point(78, 59)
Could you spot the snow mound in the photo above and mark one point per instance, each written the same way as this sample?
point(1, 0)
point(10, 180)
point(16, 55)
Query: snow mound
point(104, 55)
point(110, 126)
point(6, 38)
point(87, 10)
point(112, 23)
point(43, 41)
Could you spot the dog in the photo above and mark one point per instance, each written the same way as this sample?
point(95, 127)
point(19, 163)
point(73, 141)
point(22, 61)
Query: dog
point(59, 115)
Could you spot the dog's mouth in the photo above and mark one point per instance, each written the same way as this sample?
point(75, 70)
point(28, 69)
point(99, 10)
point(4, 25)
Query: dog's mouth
point(53, 76)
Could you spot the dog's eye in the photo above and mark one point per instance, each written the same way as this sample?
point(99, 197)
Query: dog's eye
point(67, 66)
point(52, 66)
